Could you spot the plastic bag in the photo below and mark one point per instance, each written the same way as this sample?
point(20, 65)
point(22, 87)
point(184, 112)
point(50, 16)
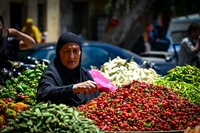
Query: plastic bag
point(103, 83)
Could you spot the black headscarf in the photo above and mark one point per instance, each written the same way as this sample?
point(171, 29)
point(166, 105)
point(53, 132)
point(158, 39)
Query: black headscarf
point(68, 76)
point(57, 81)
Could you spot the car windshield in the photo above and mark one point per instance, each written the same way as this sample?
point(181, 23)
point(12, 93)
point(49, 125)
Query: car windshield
point(48, 54)
point(177, 36)
point(94, 56)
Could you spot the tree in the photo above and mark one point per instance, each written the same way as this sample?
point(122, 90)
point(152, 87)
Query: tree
point(131, 26)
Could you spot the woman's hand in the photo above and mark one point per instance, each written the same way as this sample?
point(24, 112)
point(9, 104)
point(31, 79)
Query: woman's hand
point(196, 130)
point(87, 86)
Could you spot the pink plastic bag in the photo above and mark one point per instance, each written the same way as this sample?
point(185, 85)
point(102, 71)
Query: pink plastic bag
point(103, 83)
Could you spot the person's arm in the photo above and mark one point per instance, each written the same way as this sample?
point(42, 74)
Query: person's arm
point(189, 47)
point(49, 90)
point(25, 40)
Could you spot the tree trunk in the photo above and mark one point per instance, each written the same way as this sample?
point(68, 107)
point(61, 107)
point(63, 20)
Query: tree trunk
point(131, 27)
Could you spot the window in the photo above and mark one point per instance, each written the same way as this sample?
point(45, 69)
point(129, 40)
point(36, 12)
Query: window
point(93, 56)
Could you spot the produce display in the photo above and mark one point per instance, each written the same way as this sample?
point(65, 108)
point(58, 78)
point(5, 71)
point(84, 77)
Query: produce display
point(18, 91)
point(120, 71)
point(23, 88)
point(139, 106)
point(16, 68)
point(184, 80)
point(50, 118)
point(143, 101)
point(9, 110)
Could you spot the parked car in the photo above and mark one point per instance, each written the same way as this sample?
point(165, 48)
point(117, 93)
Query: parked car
point(96, 53)
point(162, 55)
point(177, 30)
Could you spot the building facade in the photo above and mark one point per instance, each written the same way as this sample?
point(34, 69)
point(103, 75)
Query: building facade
point(54, 17)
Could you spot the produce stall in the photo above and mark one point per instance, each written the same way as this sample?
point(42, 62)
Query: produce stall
point(144, 102)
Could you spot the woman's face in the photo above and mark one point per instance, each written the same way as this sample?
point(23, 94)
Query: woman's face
point(70, 55)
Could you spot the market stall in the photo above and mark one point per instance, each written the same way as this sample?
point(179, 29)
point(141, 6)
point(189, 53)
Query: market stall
point(142, 102)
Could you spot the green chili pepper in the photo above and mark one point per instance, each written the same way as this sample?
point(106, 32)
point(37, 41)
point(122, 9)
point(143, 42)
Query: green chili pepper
point(28, 72)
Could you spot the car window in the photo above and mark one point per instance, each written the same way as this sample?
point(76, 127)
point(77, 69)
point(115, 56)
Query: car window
point(93, 56)
point(44, 54)
point(178, 36)
point(51, 55)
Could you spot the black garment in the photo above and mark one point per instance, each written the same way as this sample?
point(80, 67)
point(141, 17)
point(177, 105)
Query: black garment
point(9, 47)
point(57, 81)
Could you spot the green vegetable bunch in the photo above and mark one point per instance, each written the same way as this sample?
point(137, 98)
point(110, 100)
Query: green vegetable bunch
point(23, 88)
point(185, 80)
point(51, 118)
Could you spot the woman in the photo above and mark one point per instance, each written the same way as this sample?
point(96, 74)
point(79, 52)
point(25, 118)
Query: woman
point(65, 80)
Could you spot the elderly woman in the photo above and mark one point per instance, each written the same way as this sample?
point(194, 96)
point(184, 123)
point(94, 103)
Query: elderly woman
point(65, 80)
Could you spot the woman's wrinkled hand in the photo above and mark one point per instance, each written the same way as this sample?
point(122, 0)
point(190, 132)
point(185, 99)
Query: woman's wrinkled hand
point(88, 86)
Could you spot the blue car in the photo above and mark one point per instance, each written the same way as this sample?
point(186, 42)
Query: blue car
point(96, 53)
